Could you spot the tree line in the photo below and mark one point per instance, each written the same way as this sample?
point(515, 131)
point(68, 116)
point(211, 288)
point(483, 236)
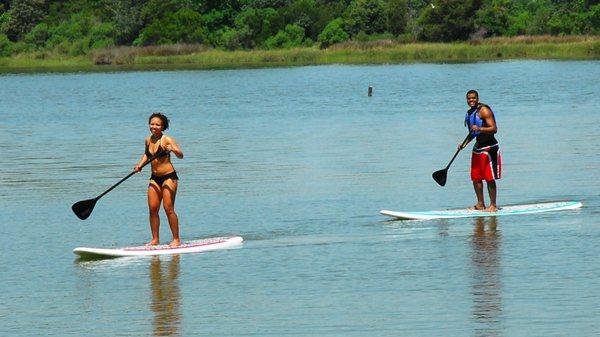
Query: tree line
point(75, 27)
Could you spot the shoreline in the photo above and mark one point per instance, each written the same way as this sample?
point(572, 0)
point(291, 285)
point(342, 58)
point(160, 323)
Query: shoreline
point(357, 53)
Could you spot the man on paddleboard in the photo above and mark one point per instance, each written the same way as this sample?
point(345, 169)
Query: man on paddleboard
point(486, 162)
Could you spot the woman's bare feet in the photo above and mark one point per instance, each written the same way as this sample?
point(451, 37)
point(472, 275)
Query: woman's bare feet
point(154, 242)
point(175, 243)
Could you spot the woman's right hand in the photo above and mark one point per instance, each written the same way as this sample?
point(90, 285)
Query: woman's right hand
point(137, 168)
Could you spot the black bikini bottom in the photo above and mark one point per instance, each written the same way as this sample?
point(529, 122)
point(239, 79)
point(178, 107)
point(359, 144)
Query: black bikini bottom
point(160, 180)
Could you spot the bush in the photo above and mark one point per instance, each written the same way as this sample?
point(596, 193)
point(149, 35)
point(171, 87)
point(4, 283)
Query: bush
point(333, 33)
point(452, 20)
point(102, 35)
point(38, 35)
point(368, 16)
point(76, 28)
point(230, 38)
point(257, 25)
point(292, 36)
point(183, 26)
point(22, 17)
point(492, 19)
point(517, 24)
point(5, 46)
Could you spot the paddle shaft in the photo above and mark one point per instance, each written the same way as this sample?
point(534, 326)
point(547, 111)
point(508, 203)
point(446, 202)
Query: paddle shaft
point(156, 155)
point(458, 150)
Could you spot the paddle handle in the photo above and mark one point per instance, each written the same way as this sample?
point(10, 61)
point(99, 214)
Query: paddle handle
point(156, 155)
point(463, 144)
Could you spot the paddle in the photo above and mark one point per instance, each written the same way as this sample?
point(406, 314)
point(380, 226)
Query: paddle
point(84, 208)
point(441, 175)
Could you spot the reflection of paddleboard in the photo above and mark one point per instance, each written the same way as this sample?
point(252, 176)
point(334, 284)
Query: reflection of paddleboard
point(186, 247)
point(506, 210)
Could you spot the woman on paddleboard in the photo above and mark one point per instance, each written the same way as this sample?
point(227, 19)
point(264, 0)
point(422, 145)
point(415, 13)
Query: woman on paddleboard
point(163, 180)
point(486, 162)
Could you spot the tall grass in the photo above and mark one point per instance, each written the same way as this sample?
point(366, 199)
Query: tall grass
point(370, 52)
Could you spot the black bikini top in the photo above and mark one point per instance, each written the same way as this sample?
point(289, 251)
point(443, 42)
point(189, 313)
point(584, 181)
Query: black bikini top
point(158, 149)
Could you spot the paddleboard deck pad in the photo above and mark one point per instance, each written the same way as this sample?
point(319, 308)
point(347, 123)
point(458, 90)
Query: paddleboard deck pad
point(195, 246)
point(465, 213)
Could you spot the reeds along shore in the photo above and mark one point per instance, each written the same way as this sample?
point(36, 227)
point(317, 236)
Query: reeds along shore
point(374, 52)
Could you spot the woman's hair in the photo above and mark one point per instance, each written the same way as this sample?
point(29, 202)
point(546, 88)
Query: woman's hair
point(163, 118)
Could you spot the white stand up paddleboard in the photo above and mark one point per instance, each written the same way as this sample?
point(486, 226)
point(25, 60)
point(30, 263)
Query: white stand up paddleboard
point(186, 247)
point(465, 213)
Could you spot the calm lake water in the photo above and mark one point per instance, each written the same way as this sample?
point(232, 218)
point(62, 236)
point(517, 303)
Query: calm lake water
point(299, 162)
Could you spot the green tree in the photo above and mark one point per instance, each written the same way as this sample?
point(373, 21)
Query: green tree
point(102, 35)
point(448, 20)
point(292, 36)
point(333, 33)
point(5, 46)
point(152, 10)
point(368, 16)
point(183, 26)
point(38, 35)
point(397, 14)
point(492, 18)
point(231, 38)
point(127, 18)
point(255, 25)
point(22, 16)
point(303, 13)
point(593, 18)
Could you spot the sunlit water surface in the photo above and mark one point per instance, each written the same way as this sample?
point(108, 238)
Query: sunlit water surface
point(299, 161)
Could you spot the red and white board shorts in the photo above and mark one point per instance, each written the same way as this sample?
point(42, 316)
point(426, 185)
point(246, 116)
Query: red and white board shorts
point(486, 164)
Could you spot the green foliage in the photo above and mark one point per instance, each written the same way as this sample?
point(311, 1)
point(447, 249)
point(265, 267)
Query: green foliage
point(126, 19)
point(183, 26)
point(38, 35)
point(333, 33)
point(231, 38)
point(448, 20)
point(102, 35)
point(76, 27)
point(5, 45)
point(368, 16)
point(292, 36)
point(73, 29)
point(396, 12)
point(364, 37)
point(492, 18)
point(592, 17)
point(304, 13)
point(517, 24)
point(22, 16)
point(257, 24)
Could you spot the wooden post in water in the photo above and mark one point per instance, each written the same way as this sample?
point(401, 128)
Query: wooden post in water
point(370, 92)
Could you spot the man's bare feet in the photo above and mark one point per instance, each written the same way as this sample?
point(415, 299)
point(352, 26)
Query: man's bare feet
point(491, 208)
point(175, 243)
point(478, 207)
point(154, 242)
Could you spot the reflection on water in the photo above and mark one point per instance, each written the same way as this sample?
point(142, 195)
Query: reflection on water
point(166, 297)
point(487, 286)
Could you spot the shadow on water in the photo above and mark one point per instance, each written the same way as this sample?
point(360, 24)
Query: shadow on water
point(487, 286)
point(166, 297)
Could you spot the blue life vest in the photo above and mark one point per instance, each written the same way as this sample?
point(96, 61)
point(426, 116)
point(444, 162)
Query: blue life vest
point(472, 118)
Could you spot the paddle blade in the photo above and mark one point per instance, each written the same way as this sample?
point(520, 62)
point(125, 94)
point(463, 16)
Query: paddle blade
point(84, 208)
point(440, 176)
